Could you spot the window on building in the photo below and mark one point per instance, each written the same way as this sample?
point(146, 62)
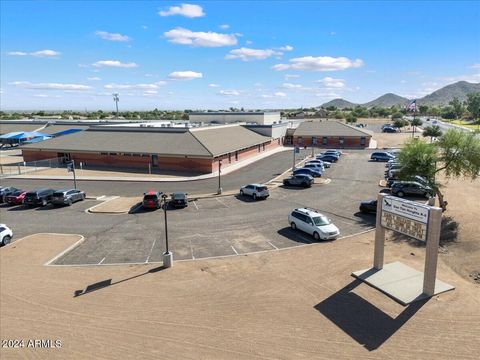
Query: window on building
point(362, 141)
point(325, 140)
point(341, 140)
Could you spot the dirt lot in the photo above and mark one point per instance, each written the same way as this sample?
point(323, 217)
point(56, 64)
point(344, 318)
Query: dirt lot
point(462, 233)
point(262, 306)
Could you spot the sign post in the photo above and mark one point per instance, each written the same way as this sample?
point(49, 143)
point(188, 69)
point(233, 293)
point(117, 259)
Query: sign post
point(418, 221)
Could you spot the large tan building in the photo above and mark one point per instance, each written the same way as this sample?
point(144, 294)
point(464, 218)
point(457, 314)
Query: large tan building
point(196, 150)
point(260, 118)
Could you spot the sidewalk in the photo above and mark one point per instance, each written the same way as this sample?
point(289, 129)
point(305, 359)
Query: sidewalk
point(154, 178)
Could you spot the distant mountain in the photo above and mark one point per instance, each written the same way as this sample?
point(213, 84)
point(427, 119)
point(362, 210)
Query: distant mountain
point(339, 104)
point(440, 97)
point(387, 100)
point(446, 94)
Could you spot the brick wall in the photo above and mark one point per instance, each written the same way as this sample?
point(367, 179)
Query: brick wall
point(245, 154)
point(333, 142)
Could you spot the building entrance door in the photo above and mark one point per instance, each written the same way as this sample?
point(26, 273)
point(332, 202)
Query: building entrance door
point(155, 160)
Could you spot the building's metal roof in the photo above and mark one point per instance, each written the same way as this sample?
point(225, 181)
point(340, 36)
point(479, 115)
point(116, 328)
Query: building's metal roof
point(328, 128)
point(11, 126)
point(201, 142)
point(225, 139)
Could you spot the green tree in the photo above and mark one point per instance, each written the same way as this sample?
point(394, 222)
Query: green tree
point(351, 118)
point(433, 131)
point(397, 115)
point(473, 107)
point(423, 109)
point(415, 122)
point(455, 155)
point(338, 115)
point(448, 112)
point(400, 123)
point(458, 108)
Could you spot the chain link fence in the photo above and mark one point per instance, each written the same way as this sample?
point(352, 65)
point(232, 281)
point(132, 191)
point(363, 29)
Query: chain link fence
point(30, 166)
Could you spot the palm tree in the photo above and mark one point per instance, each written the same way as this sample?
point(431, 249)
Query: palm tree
point(415, 122)
point(433, 131)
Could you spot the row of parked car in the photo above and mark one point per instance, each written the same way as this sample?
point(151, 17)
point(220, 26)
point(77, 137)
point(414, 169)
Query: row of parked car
point(306, 220)
point(153, 199)
point(417, 186)
point(313, 168)
point(40, 197)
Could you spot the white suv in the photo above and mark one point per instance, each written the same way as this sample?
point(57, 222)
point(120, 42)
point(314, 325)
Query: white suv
point(313, 223)
point(256, 191)
point(5, 234)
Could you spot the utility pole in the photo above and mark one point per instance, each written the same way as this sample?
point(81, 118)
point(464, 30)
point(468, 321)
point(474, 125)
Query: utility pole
point(167, 255)
point(116, 99)
point(219, 191)
point(294, 151)
point(71, 168)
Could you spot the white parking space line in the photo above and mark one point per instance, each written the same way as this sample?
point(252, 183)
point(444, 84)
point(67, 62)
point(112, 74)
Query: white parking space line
point(151, 250)
point(195, 204)
point(191, 248)
point(276, 248)
point(101, 261)
point(221, 202)
point(235, 251)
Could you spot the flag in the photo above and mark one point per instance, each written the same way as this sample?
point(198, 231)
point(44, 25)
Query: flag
point(412, 106)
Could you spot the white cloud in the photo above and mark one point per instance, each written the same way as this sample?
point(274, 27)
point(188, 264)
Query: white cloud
point(111, 36)
point(213, 85)
point(144, 27)
point(277, 94)
point(17, 53)
point(280, 94)
point(332, 83)
point(291, 86)
point(248, 42)
point(115, 64)
point(475, 66)
point(224, 26)
point(45, 53)
point(187, 10)
point(152, 86)
point(333, 33)
point(40, 53)
point(320, 63)
point(286, 48)
point(229, 92)
point(185, 75)
point(291, 76)
point(93, 78)
point(247, 54)
point(200, 38)
point(50, 86)
point(46, 96)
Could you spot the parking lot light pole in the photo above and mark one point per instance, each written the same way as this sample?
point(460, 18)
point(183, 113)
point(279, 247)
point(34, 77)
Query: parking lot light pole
point(294, 150)
point(219, 191)
point(167, 255)
point(71, 168)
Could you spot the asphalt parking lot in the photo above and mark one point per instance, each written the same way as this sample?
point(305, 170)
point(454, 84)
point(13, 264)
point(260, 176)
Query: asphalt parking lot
point(208, 227)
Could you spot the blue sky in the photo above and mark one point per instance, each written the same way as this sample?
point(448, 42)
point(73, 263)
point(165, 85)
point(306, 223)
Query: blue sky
point(219, 54)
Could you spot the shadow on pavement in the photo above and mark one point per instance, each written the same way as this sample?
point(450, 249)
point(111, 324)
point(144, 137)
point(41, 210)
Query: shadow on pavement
point(106, 283)
point(366, 219)
point(361, 320)
point(246, 199)
point(295, 235)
